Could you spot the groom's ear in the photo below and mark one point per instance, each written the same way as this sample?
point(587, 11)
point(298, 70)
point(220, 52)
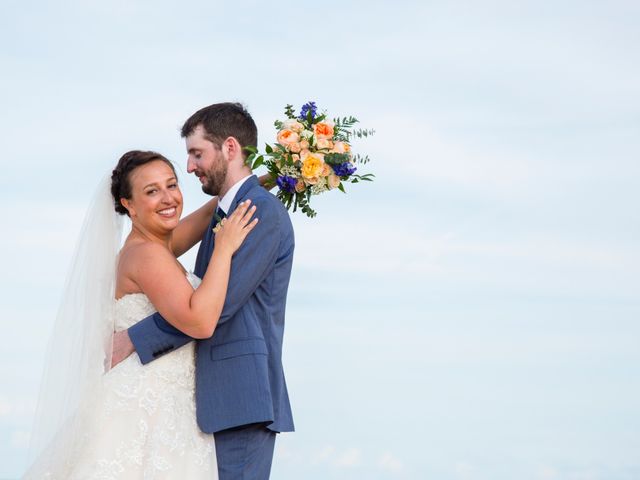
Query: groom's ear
point(233, 147)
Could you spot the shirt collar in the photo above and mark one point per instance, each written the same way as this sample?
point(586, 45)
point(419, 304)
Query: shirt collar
point(225, 202)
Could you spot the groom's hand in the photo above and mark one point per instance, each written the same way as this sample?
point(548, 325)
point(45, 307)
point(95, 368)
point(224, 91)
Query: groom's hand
point(122, 347)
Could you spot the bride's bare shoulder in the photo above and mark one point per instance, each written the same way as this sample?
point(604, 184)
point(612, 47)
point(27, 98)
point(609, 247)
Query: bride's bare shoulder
point(137, 254)
point(137, 260)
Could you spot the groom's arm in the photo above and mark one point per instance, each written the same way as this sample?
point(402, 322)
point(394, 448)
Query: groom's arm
point(153, 336)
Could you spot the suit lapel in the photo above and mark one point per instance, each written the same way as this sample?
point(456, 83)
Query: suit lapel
point(208, 242)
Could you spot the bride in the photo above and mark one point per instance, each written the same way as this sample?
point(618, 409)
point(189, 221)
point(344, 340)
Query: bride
point(131, 422)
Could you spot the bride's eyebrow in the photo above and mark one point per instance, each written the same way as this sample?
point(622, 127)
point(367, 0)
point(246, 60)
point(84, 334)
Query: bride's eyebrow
point(155, 184)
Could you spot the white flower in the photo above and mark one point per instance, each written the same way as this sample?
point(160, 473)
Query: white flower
point(308, 134)
point(319, 187)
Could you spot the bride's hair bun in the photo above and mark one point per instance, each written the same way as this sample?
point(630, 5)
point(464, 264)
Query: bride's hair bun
point(120, 177)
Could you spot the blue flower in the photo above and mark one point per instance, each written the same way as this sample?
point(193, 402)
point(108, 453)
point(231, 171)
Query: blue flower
point(306, 108)
point(344, 169)
point(288, 184)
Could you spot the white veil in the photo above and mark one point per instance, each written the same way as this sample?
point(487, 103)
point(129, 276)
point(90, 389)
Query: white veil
point(79, 351)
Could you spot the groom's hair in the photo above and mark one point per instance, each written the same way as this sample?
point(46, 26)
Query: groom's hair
point(221, 121)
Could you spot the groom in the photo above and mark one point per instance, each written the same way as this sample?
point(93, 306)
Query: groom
point(241, 395)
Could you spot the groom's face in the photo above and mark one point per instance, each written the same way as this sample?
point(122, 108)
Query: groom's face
point(206, 161)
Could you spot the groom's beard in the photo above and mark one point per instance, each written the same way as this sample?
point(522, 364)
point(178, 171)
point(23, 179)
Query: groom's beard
point(215, 180)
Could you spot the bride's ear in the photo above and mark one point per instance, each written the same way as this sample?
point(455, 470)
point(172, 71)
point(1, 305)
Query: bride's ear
point(126, 204)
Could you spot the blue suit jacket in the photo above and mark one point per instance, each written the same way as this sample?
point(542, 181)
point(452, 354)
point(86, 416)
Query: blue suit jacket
point(239, 375)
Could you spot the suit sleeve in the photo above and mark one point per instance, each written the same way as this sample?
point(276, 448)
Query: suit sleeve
point(153, 336)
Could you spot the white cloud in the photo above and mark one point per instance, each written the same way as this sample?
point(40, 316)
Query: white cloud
point(323, 455)
point(352, 457)
point(390, 462)
point(411, 148)
point(548, 473)
point(5, 407)
point(464, 471)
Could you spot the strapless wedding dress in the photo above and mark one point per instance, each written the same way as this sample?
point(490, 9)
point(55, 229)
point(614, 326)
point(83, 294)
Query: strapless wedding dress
point(143, 425)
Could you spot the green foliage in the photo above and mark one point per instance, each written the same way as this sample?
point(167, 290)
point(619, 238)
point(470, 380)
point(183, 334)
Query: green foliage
point(290, 112)
point(361, 159)
point(336, 158)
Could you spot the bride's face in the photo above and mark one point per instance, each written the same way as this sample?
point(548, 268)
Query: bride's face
point(156, 199)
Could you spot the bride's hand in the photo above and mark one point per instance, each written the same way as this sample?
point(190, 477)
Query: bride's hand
point(235, 228)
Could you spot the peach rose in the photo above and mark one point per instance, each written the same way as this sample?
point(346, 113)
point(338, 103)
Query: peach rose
point(294, 125)
point(323, 129)
point(324, 144)
point(294, 147)
point(304, 144)
point(333, 181)
point(326, 170)
point(286, 137)
point(300, 186)
point(341, 147)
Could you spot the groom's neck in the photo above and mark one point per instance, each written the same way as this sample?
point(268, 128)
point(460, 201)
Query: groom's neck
point(233, 177)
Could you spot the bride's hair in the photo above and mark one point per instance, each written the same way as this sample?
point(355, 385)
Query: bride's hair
point(120, 184)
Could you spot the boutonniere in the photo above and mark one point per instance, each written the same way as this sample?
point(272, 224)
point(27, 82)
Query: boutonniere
point(219, 223)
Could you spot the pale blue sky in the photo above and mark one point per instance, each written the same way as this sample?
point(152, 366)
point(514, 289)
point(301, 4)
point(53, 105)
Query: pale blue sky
point(473, 314)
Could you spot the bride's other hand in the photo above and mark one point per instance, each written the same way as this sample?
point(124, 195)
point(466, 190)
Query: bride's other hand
point(122, 347)
point(266, 181)
point(236, 227)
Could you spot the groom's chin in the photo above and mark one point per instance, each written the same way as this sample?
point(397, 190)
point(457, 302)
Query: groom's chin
point(208, 191)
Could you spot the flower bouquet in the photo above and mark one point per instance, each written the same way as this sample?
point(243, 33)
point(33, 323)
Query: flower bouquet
point(312, 155)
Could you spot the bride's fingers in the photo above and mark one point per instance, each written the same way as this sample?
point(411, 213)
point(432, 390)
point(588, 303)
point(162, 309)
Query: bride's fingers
point(240, 211)
point(246, 218)
point(250, 226)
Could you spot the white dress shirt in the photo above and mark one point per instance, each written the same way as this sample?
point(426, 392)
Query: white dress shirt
point(225, 202)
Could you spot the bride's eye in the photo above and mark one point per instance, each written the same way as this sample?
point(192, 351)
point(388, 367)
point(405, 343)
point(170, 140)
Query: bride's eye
point(151, 191)
point(173, 185)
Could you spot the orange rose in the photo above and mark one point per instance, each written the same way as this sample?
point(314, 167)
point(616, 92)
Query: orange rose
point(323, 130)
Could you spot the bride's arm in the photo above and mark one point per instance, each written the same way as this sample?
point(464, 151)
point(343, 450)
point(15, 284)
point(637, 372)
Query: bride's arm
point(191, 228)
point(194, 312)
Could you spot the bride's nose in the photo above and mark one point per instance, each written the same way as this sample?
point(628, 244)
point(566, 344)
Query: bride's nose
point(166, 196)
